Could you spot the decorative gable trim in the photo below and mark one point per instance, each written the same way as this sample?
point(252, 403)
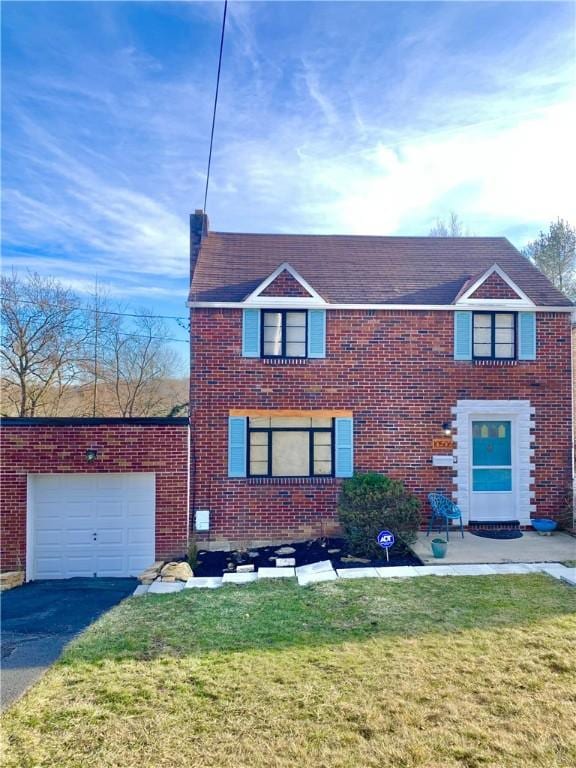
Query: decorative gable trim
point(256, 296)
point(466, 300)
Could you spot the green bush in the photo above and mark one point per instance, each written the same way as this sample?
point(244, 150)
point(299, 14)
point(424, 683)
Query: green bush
point(370, 503)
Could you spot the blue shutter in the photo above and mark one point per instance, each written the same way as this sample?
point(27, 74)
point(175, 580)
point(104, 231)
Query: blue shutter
point(344, 447)
point(251, 333)
point(462, 335)
point(237, 446)
point(316, 333)
point(527, 336)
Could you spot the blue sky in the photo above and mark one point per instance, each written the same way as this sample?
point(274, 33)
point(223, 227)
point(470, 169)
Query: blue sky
point(366, 118)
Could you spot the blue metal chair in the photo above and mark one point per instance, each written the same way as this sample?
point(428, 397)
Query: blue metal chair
point(443, 509)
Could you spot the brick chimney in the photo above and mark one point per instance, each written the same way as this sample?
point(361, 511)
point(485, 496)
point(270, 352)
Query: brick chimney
point(198, 228)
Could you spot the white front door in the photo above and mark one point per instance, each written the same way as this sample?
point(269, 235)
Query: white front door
point(90, 524)
point(493, 469)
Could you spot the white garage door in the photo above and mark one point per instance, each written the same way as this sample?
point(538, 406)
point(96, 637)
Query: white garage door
point(90, 524)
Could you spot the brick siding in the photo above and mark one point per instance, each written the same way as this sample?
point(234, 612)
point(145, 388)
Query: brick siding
point(38, 448)
point(395, 370)
point(494, 288)
point(285, 285)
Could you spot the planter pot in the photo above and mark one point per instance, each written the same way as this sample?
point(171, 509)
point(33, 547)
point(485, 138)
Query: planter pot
point(544, 527)
point(439, 548)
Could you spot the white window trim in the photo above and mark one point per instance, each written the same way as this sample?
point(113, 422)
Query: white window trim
point(522, 415)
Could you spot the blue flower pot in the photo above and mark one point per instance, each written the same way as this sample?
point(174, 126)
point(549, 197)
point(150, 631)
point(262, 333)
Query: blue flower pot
point(439, 548)
point(544, 526)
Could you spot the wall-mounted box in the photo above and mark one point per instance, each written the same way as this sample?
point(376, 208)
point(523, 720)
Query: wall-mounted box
point(202, 520)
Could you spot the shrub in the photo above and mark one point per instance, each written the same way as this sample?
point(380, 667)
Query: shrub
point(370, 503)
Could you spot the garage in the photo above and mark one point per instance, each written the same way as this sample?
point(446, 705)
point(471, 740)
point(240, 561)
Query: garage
point(90, 524)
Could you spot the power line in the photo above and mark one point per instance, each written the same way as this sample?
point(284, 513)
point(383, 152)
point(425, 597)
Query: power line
point(215, 104)
point(99, 311)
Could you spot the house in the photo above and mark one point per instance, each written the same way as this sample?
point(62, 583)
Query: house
point(443, 362)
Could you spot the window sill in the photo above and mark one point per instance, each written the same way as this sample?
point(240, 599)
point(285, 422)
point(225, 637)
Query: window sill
point(496, 363)
point(290, 480)
point(284, 360)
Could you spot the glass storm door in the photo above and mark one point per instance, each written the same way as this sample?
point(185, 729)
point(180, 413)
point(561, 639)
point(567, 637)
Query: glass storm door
point(492, 470)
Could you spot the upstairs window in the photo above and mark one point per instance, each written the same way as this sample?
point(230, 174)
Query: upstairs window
point(284, 333)
point(494, 335)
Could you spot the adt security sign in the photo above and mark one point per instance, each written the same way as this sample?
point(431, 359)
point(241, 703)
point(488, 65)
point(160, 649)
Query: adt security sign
point(385, 539)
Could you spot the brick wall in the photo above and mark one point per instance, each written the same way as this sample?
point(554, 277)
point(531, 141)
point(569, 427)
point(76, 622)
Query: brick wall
point(396, 371)
point(285, 285)
point(494, 288)
point(140, 446)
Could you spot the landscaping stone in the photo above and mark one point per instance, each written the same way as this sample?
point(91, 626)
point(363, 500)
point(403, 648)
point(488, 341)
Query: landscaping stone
point(503, 568)
point(140, 590)
point(149, 574)
point(10, 579)
point(397, 571)
point(285, 562)
point(354, 559)
point(334, 551)
point(285, 551)
point(245, 568)
point(434, 570)
point(164, 588)
point(559, 571)
point(323, 565)
point(204, 582)
point(316, 577)
point(179, 571)
point(239, 578)
point(253, 554)
point(276, 573)
point(357, 573)
point(474, 569)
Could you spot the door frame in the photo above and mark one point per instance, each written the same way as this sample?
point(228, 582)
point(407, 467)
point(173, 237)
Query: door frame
point(522, 416)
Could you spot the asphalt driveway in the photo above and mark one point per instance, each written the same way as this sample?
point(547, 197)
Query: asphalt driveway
point(39, 618)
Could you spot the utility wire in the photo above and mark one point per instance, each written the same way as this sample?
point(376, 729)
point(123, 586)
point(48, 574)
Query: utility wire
point(99, 311)
point(215, 104)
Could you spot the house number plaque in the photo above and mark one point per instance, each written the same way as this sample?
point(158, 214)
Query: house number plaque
point(442, 444)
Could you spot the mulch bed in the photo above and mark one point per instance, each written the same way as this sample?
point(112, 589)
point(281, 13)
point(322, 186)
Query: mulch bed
point(217, 562)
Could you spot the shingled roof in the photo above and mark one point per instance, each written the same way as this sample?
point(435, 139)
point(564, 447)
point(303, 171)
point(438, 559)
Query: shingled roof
point(346, 269)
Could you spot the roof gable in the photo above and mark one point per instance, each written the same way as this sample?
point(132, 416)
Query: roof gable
point(284, 284)
point(493, 285)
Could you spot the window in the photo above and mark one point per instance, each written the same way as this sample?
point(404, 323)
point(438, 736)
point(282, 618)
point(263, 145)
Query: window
point(284, 333)
point(494, 335)
point(281, 446)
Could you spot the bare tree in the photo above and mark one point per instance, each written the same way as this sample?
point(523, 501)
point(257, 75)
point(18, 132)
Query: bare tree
point(135, 365)
point(40, 341)
point(453, 227)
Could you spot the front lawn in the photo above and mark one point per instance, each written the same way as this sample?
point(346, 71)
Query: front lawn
point(433, 672)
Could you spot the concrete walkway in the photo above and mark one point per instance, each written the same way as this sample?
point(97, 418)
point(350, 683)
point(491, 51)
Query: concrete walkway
point(474, 549)
point(324, 571)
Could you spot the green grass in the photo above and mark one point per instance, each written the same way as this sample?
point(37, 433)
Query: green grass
point(430, 672)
